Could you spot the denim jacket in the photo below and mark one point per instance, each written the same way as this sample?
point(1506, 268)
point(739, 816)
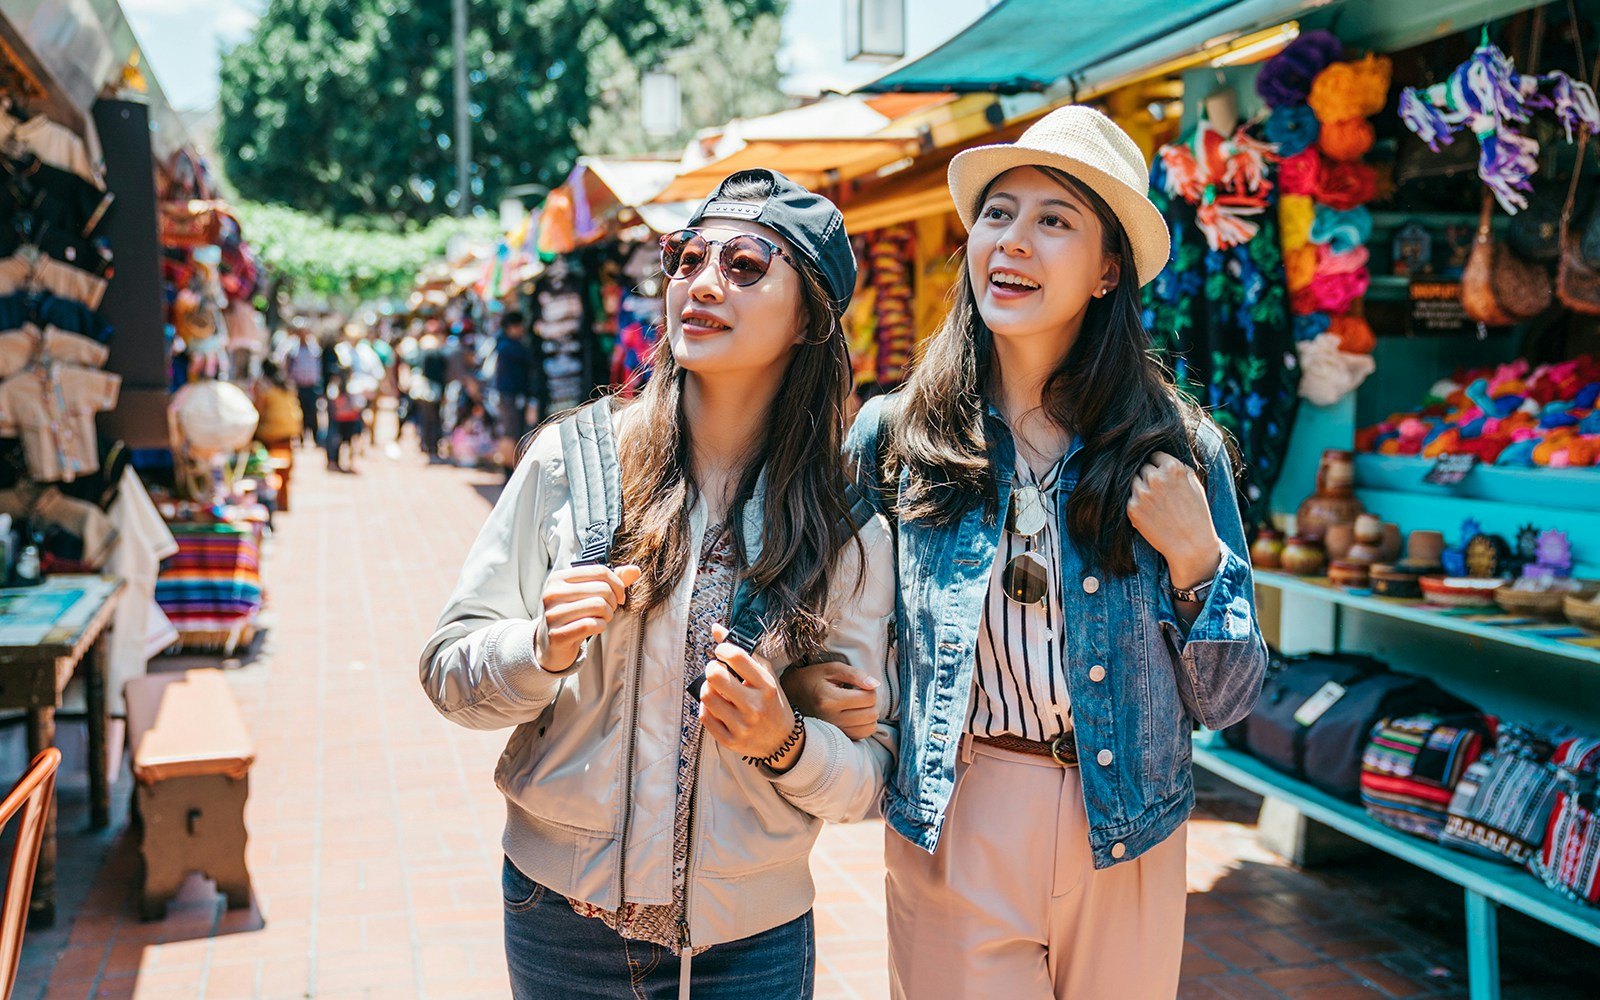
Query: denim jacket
point(1138, 680)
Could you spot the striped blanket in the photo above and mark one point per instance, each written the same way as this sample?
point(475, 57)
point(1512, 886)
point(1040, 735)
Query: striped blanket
point(213, 583)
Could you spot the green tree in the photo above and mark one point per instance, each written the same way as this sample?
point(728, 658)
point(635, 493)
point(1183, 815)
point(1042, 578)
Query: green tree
point(344, 107)
point(713, 87)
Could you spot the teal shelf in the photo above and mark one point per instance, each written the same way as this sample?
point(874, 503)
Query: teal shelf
point(1567, 489)
point(1508, 886)
point(1533, 636)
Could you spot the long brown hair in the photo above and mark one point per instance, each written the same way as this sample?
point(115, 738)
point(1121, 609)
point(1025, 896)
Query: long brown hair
point(1110, 391)
point(804, 515)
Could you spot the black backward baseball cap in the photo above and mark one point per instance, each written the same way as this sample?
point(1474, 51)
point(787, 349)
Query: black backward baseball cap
point(811, 223)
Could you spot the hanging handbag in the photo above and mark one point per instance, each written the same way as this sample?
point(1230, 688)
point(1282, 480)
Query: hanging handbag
point(1577, 280)
point(1498, 288)
point(1569, 862)
point(1502, 806)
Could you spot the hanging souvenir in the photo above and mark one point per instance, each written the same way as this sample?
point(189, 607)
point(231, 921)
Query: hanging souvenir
point(1488, 96)
point(1225, 177)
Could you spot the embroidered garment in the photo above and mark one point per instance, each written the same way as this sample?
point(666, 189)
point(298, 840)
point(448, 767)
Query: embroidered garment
point(52, 407)
point(23, 271)
point(20, 347)
point(713, 592)
point(1222, 319)
point(53, 143)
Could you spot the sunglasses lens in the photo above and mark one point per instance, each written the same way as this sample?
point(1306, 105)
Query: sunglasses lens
point(683, 254)
point(1028, 513)
point(1026, 578)
point(745, 260)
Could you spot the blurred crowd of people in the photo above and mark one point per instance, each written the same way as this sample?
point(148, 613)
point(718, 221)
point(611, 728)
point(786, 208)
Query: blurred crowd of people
point(469, 397)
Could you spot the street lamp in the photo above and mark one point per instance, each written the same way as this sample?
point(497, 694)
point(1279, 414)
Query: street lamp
point(463, 137)
point(874, 30)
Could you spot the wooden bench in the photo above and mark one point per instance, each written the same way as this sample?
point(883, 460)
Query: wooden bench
point(191, 761)
point(1488, 884)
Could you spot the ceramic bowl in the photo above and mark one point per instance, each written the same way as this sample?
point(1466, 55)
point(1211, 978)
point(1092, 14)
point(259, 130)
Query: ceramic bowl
point(1462, 591)
point(1549, 604)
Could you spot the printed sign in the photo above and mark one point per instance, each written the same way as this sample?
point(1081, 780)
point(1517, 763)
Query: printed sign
point(1436, 307)
point(1450, 470)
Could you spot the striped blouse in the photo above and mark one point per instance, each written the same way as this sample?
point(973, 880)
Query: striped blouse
point(1020, 677)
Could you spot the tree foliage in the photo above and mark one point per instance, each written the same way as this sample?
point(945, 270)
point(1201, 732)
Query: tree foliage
point(727, 70)
point(348, 261)
point(345, 107)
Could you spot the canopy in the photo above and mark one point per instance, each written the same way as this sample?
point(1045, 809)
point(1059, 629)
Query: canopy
point(811, 162)
point(1041, 41)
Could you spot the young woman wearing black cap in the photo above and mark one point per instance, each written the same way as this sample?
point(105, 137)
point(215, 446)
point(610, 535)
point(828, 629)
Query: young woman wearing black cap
point(650, 820)
point(1075, 587)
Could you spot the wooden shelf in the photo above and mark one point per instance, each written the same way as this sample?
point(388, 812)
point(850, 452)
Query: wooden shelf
point(1530, 637)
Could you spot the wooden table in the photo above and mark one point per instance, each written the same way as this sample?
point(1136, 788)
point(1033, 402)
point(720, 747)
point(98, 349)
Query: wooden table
point(45, 632)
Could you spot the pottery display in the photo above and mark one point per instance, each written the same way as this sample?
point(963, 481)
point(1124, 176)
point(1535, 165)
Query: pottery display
point(1266, 552)
point(1368, 547)
point(1390, 580)
point(1461, 591)
point(1349, 573)
point(1303, 556)
point(1425, 547)
point(1544, 603)
point(1335, 501)
point(1391, 544)
point(1337, 539)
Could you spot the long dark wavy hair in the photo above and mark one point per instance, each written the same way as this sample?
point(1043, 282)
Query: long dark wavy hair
point(804, 517)
point(1110, 391)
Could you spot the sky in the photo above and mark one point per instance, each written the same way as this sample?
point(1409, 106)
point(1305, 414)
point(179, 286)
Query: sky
point(181, 40)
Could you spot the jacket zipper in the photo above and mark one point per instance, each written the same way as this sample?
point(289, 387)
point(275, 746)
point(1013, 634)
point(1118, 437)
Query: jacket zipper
point(627, 784)
point(686, 947)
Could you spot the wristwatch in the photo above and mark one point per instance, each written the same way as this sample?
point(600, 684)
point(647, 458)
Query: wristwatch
point(1196, 594)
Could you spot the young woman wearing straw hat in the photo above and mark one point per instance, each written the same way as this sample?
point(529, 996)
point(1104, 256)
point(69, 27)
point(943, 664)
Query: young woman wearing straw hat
point(1074, 594)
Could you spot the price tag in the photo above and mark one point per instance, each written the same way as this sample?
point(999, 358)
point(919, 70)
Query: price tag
point(1450, 470)
point(1319, 703)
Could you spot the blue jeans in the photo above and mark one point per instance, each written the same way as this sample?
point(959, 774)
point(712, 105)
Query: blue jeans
point(554, 954)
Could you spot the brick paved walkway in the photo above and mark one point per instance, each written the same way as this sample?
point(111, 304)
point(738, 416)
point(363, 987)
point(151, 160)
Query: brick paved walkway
point(375, 827)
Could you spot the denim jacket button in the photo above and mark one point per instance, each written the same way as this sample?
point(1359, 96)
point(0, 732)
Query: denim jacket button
point(1104, 758)
point(1090, 585)
point(1097, 673)
point(1119, 850)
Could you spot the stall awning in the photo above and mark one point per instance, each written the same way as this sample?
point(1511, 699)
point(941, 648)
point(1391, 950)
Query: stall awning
point(812, 162)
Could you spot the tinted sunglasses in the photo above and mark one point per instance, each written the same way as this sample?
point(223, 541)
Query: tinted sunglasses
point(744, 260)
point(1026, 577)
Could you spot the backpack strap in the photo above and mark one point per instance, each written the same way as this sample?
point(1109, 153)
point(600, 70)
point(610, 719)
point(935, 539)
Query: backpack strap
point(748, 614)
point(593, 479)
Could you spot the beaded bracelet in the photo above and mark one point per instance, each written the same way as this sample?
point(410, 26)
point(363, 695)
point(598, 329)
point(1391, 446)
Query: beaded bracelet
point(788, 744)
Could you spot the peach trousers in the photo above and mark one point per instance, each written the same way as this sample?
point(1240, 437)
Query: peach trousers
point(1010, 905)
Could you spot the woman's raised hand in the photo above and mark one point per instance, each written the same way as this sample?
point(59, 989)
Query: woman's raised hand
point(743, 707)
point(579, 602)
point(1168, 506)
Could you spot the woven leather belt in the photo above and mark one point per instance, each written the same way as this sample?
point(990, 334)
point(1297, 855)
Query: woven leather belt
point(1062, 749)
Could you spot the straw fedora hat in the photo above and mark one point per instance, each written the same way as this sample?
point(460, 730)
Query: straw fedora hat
point(1090, 147)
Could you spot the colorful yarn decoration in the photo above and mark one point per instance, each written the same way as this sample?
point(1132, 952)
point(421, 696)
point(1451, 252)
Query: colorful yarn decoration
point(1341, 231)
point(1332, 261)
point(1311, 326)
point(1226, 177)
point(1346, 140)
point(1287, 77)
point(1344, 184)
point(1351, 90)
point(1293, 129)
point(1296, 214)
point(1298, 174)
point(1489, 97)
point(1300, 266)
point(1354, 333)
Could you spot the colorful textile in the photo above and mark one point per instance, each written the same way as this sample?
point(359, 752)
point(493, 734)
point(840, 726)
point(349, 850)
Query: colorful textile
point(1221, 318)
point(1223, 177)
point(1501, 808)
point(1570, 860)
point(213, 582)
point(1411, 767)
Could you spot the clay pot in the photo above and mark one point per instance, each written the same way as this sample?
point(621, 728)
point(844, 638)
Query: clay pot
point(1391, 542)
point(1335, 501)
point(1303, 556)
point(1337, 539)
point(1425, 547)
point(1266, 552)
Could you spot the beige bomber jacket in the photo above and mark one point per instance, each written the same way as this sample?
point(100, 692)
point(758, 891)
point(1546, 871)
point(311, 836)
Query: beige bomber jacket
point(589, 773)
